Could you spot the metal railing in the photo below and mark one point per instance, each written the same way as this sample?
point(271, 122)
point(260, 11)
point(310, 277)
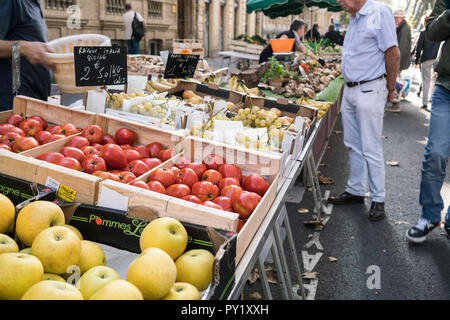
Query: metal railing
point(115, 7)
point(58, 4)
point(155, 9)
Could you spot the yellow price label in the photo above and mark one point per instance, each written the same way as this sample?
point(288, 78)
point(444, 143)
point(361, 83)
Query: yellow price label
point(65, 193)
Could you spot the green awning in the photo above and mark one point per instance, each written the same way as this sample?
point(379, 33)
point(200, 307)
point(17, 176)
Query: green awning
point(282, 8)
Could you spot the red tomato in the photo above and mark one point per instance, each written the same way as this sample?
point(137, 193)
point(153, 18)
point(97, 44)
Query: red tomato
point(73, 153)
point(41, 136)
point(54, 128)
point(15, 119)
point(132, 155)
point(140, 184)
point(78, 142)
point(41, 120)
point(18, 131)
point(224, 202)
point(125, 136)
point(228, 181)
point(104, 175)
point(244, 203)
point(213, 161)
point(257, 196)
point(229, 190)
point(68, 129)
point(175, 170)
point(166, 154)
point(5, 147)
point(125, 176)
point(187, 176)
point(126, 147)
point(90, 151)
point(154, 148)
point(156, 186)
point(69, 162)
point(212, 205)
point(230, 171)
point(240, 225)
point(205, 190)
point(114, 156)
point(30, 127)
point(212, 176)
point(94, 163)
point(10, 138)
point(143, 150)
point(93, 133)
point(163, 175)
point(255, 183)
point(199, 168)
point(107, 138)
point(181, 162)
point(25, 143)
point(152, 162)
point(178, 190)
point(54, 137)
point(98, 146)
point(137, 167)
point(192, 198)
point(5, 128)
point(50, 156)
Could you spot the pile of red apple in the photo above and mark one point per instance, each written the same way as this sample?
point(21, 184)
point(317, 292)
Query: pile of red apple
point(211, 183)
point(19, 134)
point(107, 156)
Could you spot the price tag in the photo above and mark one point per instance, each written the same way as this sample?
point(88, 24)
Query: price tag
point(298, 124)
point(65, 193)
point(52, 184)
point(181, 66)
point(100, 66)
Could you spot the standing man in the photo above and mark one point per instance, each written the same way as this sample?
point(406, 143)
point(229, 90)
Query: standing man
point(437, 149)
point(370, 62)
point(22, 21)
point(404, 45)
point(130, 36)
point(334, 36)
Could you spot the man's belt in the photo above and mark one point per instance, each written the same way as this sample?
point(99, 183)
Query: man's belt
point(354, 84)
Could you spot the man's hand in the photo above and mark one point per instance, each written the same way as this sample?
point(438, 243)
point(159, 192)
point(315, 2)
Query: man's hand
point(392, 95)
point(35, 52)
point(417, 66)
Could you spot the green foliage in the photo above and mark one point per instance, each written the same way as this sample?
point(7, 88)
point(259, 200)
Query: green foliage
point(277, 70)
point(253, 40)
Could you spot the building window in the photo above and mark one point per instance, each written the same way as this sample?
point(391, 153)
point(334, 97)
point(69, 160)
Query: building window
point(155, 9)
point(58, 4)
point(116, 7)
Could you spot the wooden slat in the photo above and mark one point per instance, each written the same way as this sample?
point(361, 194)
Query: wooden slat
point(19, 166)
point(54, 146)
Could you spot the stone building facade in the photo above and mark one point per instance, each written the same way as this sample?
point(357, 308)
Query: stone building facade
point(215, 22)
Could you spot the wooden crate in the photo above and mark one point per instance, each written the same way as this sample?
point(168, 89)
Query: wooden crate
point(194, 46)
point(242, 46)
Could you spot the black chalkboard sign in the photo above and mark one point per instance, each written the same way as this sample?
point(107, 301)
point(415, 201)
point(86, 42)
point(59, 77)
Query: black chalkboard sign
point(100, 66)
point(181, 66)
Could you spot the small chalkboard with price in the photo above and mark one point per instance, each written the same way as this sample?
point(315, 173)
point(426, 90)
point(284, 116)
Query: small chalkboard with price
point(100, 66)
point(181, 66)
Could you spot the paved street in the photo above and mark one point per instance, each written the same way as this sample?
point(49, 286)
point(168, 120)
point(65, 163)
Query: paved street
point(407, 271)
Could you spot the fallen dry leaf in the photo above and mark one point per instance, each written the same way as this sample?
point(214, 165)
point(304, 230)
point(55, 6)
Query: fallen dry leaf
point(270, 276)
point(323, 165)
point(392, 163)
point(314, 223)
point(332, 259)
point(302, 210)
point(253, 276)
point(401, 222)
point(325, 180)
point(338, 132)
point(255, 295)
point(329, 147)
point(310, 236)
point(310, 275)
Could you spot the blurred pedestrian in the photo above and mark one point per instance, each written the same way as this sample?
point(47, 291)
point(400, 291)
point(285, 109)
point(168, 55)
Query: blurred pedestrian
point(370, 60)
point(313, 34)
point(426, 53)
point(437, 149)
point(134, 29)
point(334, 36)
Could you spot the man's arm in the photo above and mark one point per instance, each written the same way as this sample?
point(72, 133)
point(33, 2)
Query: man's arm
point(438, 25)
point(35, 52)
point(419, 48)
point(392, 62)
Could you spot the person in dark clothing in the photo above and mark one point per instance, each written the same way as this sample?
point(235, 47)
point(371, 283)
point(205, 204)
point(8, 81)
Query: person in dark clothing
point(426, 52)
point(22, 21)
point(313, 34)
point(334, 36)
point(296, 31)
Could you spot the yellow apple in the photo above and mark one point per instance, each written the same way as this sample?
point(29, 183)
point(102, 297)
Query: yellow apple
point(57, 248)
point(94, 279)
point(153, 273)
point(18, 272)
point(165, 233)
point(35, 217)
point(195, 267)
point(118, 290)
point(183, 291)
point(52, 290)
point(91, 255)
point(52, 276)
point(26, 251)
point(7, 213)
point(7, 244)
point(77, 232)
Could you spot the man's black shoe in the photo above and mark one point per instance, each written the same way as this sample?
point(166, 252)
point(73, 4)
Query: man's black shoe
point(376, 211)
point(447, 230)
point(421, 230)
point(346, 198)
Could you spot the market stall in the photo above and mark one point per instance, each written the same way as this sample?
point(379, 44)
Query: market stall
point(218, 161)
